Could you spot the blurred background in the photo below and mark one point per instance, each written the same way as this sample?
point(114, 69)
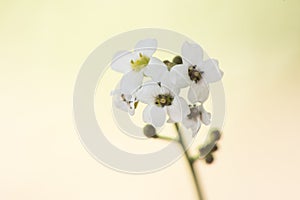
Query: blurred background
point(44, 43)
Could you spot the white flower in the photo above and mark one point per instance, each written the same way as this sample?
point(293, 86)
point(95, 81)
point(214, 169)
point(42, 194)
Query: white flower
point(159, 72)
point(196, 72)
point(132, 64)
point(124, 102)
point(161, 100)
point(197, 116)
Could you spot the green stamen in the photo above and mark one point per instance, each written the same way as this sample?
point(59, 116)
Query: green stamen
point(139, 63)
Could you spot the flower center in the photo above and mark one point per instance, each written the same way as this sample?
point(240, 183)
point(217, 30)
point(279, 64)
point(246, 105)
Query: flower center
point(194, 113)
point(194, 74)
point(139, 63)
point(164, 100)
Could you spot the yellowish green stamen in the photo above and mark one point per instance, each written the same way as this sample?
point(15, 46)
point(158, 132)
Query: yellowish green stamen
point(140, 63)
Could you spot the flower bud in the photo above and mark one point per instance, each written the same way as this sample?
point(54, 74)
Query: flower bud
point(177, 60)
point(209, 159)
point(149, 131)
point(169, 64)
point(215, 148)
point(203, 150)
point(215, 135)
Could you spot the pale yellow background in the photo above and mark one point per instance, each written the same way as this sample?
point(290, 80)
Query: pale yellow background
point(44, 43)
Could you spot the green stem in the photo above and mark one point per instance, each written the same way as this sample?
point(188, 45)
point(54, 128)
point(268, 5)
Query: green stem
point(166, 138)
point(190, 162)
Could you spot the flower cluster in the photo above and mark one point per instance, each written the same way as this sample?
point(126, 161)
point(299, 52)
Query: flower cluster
point(158, 84)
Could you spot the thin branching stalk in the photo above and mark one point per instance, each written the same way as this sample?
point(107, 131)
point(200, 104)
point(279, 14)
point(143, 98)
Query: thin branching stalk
point(190, 162)
point(163, 137)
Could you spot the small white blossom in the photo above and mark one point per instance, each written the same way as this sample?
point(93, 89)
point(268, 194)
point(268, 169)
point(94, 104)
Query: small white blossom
point(133, 63)
point(161, 101)
point(197, 116)
point(124, 102)
point(196, 72)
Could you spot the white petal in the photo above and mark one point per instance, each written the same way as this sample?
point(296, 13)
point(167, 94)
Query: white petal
point(148, 92)
point(154, 115)
point(121, 61)
point(146, 47)
point(179, 76)
point(194, 125)
point(211, 70)
point(205, 116)
point(155, 69)
point(178, 110)
point(195, 129)
point(192, 53)
point(158, 116)
point(167, 86)
point(188, 123)
point(120, 104)
point(198, 92)
point(146, 114)
point(131, 81)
